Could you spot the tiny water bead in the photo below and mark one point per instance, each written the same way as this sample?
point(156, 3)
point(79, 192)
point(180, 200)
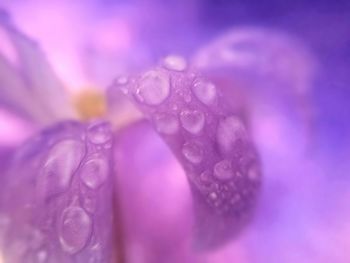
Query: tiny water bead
point(99, 132)
point(176, 63)
point(166, 123)
point(192, 121)
point(94, 172)
point(193, 152)
point(154, 88)
point(205, 91)
point(223, 170)
point(75, 229)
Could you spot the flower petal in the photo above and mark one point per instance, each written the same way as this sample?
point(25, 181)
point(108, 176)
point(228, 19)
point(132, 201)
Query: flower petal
point(34, 88)
point(57, 199)
point(210, 141)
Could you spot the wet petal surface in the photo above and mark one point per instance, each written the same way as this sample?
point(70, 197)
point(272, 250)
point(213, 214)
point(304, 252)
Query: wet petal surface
point(213, 147)
point(58, 197)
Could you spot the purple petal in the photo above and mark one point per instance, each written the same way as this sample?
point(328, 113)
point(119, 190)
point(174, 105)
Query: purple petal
point(210, 141)
point(57, 202)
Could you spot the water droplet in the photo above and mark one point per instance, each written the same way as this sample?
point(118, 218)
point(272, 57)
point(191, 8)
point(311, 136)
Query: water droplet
point(75, 229)
point(41, 256)
point(192, 121)
point(192, 152)
point(176, 63)
point(229, 131)
point(166, 123)
point(205, 91)
point(62, 161)
point(213, 196)
point(94, 172)
point(154, 88)
point(122, 80)
point(223, 170)
point(99, 132)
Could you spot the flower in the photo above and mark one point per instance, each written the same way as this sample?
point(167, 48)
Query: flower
point(165, 166)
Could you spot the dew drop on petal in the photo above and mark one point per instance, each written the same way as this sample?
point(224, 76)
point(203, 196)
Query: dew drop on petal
point(205, 91)
point(122, 80)
point(41, 256)
point(213, 196)
point(62, 161)
point(192, 152)
point(176, 63)
point(75, 229)
point(94, 172)
point(166, 123)
point(100, 132)
point(192, 121)
point(154, 88)
point(223, 170)
point(229, 131)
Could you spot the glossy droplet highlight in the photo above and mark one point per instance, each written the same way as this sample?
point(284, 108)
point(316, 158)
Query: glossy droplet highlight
point(229, 131)
point(154, 88)
point(193, 152)
point(166, 123)
point(176, 63)
point(75, 229)
point(223, 170)
point(94, 172)
point(62, 161)
point(205, 91)
point(100, 132)
point(192, 121)
point(254, 173)
point(122, 80)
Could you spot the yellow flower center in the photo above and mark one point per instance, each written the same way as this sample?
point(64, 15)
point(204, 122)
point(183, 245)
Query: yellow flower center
point(90, 104)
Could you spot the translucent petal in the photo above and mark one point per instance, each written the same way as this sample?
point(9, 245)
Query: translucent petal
point(58, 198)
point(260, 53)
point(33, 88)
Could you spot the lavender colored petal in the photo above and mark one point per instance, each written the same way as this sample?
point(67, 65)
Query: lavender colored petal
point(32, 88)
point(210, 141)
point(57, 199)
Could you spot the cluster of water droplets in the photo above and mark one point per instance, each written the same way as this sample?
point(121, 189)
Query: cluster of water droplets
point(66, 202)
point(208, 137)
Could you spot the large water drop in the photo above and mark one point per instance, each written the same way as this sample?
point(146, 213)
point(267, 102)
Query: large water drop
point(75, 229)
